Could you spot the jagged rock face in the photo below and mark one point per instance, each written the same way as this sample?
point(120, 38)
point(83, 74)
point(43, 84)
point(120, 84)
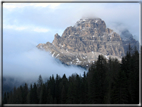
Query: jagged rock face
point(82, 43)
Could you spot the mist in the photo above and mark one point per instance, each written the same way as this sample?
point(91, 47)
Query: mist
point(24, 62)
point(28, 65)
point(25, 27)
point(34, 62)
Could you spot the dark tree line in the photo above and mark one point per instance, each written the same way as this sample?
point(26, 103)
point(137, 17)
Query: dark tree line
point(106, 82)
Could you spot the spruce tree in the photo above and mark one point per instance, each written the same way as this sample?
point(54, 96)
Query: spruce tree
point(35, 95)
point(5, 98)
point(39, 86)
point(120, 92)
point(57, 89)
point(25, 93)
point(43, 97)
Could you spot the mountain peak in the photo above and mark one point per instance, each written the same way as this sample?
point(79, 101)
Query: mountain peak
point(91, 23)
point(57, 35)
point(81, 44)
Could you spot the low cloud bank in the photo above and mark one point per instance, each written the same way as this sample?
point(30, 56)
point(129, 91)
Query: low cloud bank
point(27, 66)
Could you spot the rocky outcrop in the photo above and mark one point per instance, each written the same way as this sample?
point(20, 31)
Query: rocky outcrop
point(82, 43)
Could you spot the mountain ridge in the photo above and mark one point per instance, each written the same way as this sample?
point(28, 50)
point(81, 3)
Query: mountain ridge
point(82, 43)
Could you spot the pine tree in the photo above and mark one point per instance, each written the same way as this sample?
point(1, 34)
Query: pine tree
point(49, 97)
point(35, 95)
point(28, 98)
point(133, 80)
point(43, 97)
point(71, 95)
point(14, 96)
point(120, 93)
point(113, 67)
point(78, 89)
point(84, 89)
point(57, 89)
point(40, 81)
point(39, 86)
point(25, 93)
point(64, 89)
point(10, 99)
point(51, 90)
point(5, 98)
point(17, 98)
point(91, 82)
point(63, 95)
point(31, 95)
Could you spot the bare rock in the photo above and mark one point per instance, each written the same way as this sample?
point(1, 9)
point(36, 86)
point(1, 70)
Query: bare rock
point(82, 43)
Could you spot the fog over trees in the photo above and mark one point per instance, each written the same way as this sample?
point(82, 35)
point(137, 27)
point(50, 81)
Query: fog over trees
point(106, 82)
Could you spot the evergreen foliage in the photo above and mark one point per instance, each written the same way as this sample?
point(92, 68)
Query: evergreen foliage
point(106, 82)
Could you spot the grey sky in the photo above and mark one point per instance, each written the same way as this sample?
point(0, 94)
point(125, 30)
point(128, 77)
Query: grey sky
point(25, 25)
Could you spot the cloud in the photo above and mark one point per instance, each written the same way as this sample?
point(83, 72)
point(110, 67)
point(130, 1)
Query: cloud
point(24, 62)
point(41, 30)
point(50, 5)
point(14, 27)
point(27, 25)
point(27, 66)
point(11, 6)
point(128, 14)
point(68, 13)
point(29, 28)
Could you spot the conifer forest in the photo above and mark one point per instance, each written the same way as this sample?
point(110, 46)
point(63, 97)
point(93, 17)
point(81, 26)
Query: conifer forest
point(106, 82)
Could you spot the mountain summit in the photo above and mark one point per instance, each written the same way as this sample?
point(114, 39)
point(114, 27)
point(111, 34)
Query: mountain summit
point(82, 43)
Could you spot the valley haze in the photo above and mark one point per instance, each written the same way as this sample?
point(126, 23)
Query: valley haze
point(26, 25)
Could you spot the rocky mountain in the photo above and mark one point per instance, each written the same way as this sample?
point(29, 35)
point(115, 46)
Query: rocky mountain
point(127, 38)
point(82, 43)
